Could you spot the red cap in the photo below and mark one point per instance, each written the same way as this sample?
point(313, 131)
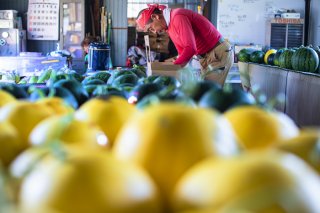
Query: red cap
point(146, 14)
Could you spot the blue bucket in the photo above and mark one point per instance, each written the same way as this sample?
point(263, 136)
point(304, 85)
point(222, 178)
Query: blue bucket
point(99, 57)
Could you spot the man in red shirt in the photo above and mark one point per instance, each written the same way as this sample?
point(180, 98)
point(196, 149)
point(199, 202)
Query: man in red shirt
point(193, 35)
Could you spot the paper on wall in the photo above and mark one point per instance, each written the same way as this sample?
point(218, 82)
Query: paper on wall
point(43, 20)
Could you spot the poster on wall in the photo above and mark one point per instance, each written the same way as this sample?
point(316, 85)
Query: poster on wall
point(43, 20)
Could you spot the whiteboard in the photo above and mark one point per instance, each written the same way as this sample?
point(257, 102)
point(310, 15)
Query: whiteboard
point(247, 21)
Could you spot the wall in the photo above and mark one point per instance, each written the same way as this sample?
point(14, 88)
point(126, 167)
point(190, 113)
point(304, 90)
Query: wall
point(247, 21)
point(119, 36)
point(315, 23)
point(22, 7)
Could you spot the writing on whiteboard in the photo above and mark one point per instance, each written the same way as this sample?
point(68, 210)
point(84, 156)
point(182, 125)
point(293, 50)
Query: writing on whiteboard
point(247, 21)
point(242, 18)
point(234, 8)
point(226, 23)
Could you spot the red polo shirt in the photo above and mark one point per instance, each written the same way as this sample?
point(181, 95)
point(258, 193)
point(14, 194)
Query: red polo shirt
point(192, 34)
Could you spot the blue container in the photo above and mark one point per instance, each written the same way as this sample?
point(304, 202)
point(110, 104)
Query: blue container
point(99, 56)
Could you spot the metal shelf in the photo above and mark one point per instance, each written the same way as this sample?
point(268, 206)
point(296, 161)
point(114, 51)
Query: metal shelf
point(286, 35)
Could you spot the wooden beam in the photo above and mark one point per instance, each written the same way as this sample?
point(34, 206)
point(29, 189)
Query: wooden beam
point(307, 21)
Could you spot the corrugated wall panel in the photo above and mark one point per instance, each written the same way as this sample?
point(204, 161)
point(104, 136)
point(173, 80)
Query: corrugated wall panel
point(119, 48)
point(22, 7)
point(119, 36)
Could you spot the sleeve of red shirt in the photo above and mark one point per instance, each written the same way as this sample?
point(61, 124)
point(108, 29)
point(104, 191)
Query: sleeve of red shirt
point(186, 35)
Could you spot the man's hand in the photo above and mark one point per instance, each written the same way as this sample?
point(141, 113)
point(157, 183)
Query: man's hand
point(183, 65)
point(173, 59)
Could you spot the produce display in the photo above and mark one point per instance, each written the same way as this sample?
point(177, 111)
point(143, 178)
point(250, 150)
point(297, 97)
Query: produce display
point(244, 54)
point(257, 56)
point(277, 56)
point(305, 59)
point(285, 59)
point(123, 142)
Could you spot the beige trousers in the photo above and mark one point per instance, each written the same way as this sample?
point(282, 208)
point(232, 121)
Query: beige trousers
point(215, 65)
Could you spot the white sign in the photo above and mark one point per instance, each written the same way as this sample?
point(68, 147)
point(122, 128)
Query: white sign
point(43, 20)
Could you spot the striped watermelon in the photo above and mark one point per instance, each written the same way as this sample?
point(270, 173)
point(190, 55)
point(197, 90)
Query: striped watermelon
point(285, 59)
point(257, 57)
point(317, 49)
point(305, 59)
point(244, 54)
point(277, 56)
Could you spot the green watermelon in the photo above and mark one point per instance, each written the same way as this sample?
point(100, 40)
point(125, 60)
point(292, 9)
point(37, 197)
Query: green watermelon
point(167, 81)
point(222, 100)
point(142, 90)
point(305, 59)
point(277, 56)
point(90, 88)
point(244, 54)
point(127, 79)
point(317, 49)
point(74, 75)
point(103, 76)
point(148, 79)
point(14, 90)
point(104, 90)
point(201, 87)
point(86, 79)
point(285, 59)
point(139, 73)
point(94, 82)
point(257, 56)
point(116, 74)
point(65, 94)
point(173, 96)
point(75, 87)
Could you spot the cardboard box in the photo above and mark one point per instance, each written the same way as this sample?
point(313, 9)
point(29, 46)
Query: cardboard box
point(159, 68)
point(164, 68)
point(290, 15)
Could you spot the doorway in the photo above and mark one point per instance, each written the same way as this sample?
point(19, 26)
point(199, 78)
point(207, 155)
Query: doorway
point(72, 30)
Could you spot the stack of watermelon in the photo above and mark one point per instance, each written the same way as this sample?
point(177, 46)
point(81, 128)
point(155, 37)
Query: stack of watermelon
point(304, 59)
point(251, 55)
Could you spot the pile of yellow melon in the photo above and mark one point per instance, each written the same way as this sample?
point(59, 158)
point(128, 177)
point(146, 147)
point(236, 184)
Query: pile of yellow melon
point(107, 156)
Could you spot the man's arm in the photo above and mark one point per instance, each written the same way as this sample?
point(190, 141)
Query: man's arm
point(186, 35)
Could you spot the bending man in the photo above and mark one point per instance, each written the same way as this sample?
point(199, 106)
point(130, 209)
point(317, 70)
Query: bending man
point(193, 35)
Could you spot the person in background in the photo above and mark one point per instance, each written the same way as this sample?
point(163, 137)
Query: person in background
point(194, 37)
point(85, 46)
